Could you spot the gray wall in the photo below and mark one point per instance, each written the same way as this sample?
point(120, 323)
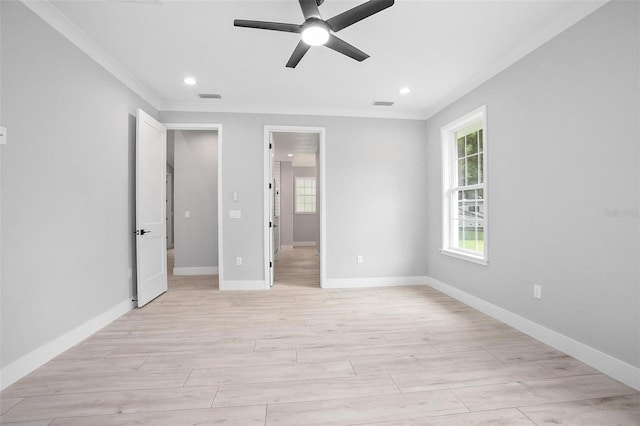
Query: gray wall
point(196, 191)
point(376, 178)
point(286, 203)
point(305, 226)
point(563, 185)
point(67, 185)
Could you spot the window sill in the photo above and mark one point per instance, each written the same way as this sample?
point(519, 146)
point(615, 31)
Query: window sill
point(465, 256)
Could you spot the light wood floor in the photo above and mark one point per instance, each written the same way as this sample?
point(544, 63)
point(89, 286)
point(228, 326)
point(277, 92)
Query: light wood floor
point(299, 355)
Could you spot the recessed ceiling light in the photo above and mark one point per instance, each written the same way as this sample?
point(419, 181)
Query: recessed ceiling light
point(189, 81)
point(289, 155)
point(404, 90)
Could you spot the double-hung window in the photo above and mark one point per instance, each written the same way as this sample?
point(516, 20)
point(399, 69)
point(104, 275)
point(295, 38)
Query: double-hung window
point(464, 192)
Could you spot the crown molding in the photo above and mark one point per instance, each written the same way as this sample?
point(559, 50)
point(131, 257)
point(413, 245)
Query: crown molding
point(385, 112)
point(52, 16)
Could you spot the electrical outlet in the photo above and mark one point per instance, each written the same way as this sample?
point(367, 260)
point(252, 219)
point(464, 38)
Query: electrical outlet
point(359, 259)
point(238, 261)
point(537, 291)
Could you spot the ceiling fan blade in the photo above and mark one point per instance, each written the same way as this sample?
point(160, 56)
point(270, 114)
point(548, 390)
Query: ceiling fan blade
point(358, 13)
point(297, 54)
point(345, 48)
point(310, 9)
point(263, 25)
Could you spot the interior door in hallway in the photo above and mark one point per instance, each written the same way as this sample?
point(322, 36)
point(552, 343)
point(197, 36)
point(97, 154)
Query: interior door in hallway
point(151, 242)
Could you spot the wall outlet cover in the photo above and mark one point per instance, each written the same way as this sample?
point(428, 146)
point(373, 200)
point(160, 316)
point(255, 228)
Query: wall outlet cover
point(537, 291)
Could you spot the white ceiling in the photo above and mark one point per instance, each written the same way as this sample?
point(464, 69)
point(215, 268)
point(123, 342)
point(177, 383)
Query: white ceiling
point(440, 49)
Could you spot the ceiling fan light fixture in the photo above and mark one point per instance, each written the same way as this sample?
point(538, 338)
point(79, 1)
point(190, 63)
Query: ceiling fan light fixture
point(315, 34)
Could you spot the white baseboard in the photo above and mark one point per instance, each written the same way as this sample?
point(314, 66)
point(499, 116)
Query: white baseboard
point(36, 358)
point(232, 285)
point(619, 370)
point(196, 270)
point(304, 243)
point(374, 282)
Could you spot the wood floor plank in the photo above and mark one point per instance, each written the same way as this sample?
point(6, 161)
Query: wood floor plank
point(303, 390)
point(424, 362)
point(313, 340)
point(536, 392)
point(81, 367)
point(567, 366)
point(352, 352)
point(43, 422)
point(172, 362)
point(97, 381)
point(504, 417)
point(623, 410)
point(98, 403)
point(6, 402)
point(531, 352)
point(464, 376)
point(232, 416)
point(352, 411)
point(271, 373)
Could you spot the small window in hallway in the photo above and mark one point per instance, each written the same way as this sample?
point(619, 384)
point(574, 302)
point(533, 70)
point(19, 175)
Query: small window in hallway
point(305, 195)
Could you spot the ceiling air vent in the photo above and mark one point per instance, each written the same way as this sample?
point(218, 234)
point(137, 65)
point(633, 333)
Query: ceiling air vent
point(209, 96)
point(382, 103)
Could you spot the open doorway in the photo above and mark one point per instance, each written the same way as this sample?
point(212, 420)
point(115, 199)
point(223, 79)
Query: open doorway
point(193, 157)
point(294, 208)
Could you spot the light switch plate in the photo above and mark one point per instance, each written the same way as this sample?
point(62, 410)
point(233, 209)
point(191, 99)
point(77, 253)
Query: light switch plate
point(187, 214)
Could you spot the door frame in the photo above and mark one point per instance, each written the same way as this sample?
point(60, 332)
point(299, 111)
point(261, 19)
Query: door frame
point(320, 131)
point(218, 128)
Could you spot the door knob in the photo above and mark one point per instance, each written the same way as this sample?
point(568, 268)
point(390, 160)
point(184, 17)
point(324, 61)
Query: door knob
point(142, 232)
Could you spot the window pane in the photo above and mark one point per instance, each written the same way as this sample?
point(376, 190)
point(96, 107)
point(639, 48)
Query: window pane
point(461, 147)
point(472, 170)
point(468, 236)
point(480, 141)
point(472, 143)
point(461, 172)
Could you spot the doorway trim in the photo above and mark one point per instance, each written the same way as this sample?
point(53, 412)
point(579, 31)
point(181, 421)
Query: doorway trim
point(320, 131)
point(218, 128)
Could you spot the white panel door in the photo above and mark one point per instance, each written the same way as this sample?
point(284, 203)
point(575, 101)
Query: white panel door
point(151, 249)
point(271, 219)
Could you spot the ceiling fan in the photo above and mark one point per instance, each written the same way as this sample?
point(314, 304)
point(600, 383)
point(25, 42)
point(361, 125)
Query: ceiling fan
point(316, 32)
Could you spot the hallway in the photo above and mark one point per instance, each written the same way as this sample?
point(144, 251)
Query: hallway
point(299, 267)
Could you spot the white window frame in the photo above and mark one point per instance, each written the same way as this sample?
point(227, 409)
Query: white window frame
point(295, 194)
point(448, 154)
